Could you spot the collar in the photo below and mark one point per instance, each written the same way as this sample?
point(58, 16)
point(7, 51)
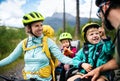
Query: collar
point(35, 39)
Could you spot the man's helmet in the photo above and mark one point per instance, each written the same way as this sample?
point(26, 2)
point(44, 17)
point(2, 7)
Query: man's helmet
point(65, 35)
point(32, 17)
point(48, 31)
point(86, 27)
point(112, 3)
point(99, 2)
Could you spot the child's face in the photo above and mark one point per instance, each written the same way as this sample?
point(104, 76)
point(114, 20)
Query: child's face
point(65, 43)
point(93, 35)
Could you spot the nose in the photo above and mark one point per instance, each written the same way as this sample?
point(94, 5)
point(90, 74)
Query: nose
point(95, 35)
point(40, 27)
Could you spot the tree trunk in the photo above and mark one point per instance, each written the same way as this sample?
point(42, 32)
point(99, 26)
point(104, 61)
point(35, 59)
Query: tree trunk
point(77, 28)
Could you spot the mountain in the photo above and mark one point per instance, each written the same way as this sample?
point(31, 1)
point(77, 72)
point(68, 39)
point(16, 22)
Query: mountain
point(56, 20)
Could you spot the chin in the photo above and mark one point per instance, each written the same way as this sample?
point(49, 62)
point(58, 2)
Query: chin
point(95, 42)
point(38, 35)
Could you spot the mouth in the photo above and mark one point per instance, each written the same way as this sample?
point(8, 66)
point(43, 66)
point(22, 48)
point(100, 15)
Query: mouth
point(39, 32)
point(96, 39)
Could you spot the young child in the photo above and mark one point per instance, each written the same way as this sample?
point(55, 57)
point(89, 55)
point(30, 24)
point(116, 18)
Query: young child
point(68, 50)
point(94, 53)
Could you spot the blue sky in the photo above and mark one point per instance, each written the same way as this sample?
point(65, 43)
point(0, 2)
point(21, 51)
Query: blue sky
point(12, 11)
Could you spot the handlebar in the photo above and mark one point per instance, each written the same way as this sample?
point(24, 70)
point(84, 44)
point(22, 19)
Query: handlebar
point(16, 79)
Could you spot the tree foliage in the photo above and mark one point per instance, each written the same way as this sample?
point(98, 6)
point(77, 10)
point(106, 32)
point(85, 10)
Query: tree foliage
point(9, 38)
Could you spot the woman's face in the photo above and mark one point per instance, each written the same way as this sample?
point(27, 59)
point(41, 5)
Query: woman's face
point(37, 28)
point(93, 35)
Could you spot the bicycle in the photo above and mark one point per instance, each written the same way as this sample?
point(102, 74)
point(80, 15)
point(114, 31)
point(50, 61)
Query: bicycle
point(5, 78)
point(72, 71)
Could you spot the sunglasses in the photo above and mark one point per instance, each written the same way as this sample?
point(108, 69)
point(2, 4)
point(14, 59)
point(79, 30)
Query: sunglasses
point(105, 14)
point(101, 11)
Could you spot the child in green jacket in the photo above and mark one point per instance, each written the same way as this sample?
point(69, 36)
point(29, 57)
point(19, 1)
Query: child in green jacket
point(95, 52)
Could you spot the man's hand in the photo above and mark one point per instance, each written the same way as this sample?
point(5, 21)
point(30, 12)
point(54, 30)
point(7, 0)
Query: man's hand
point(94, 73)
point(102, 32)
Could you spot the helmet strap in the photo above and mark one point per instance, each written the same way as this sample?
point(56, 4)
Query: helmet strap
point(33, 34)
point(31, 31)
point(69, 43)
point(118, 40)
point(106, 21)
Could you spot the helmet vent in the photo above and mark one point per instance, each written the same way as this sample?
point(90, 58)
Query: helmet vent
point(26, 18)
point(32, 15)
point(36, 14)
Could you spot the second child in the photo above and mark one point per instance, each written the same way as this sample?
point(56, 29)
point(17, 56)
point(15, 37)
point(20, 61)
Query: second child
point(68, 50)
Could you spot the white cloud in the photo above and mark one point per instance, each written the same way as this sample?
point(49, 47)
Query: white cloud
point(15, 22)
point(10, 10)
point(85, 9)
point(48, 7)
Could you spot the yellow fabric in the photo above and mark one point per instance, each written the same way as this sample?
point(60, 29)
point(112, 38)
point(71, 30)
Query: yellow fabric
point(48, 31)
point(53, 60)
point(24, 74)
point(25, 43)
point(46, 50)
point(44, 72)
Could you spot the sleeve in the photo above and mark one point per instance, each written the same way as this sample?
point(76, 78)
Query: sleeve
point(117, 57)
point(13, 56)
point(109, 48)
point(78, 59)
point(74, 50)
point(54, 49)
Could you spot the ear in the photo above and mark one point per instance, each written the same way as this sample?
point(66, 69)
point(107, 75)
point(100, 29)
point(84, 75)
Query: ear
point(28, 29)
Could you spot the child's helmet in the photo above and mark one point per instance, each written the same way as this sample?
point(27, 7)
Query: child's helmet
point(32, 17)
point(65, 35)
point(48, 31)
point(86, 27)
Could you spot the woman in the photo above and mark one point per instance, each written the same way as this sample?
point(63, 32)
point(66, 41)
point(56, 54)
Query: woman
point(37, 64)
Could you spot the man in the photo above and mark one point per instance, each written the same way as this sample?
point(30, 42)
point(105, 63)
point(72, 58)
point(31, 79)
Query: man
point(110, 12)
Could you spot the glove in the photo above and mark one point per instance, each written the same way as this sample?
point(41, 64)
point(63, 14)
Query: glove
point(67, 52)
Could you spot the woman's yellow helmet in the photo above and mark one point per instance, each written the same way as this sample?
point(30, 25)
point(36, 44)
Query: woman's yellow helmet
point(32, 17)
